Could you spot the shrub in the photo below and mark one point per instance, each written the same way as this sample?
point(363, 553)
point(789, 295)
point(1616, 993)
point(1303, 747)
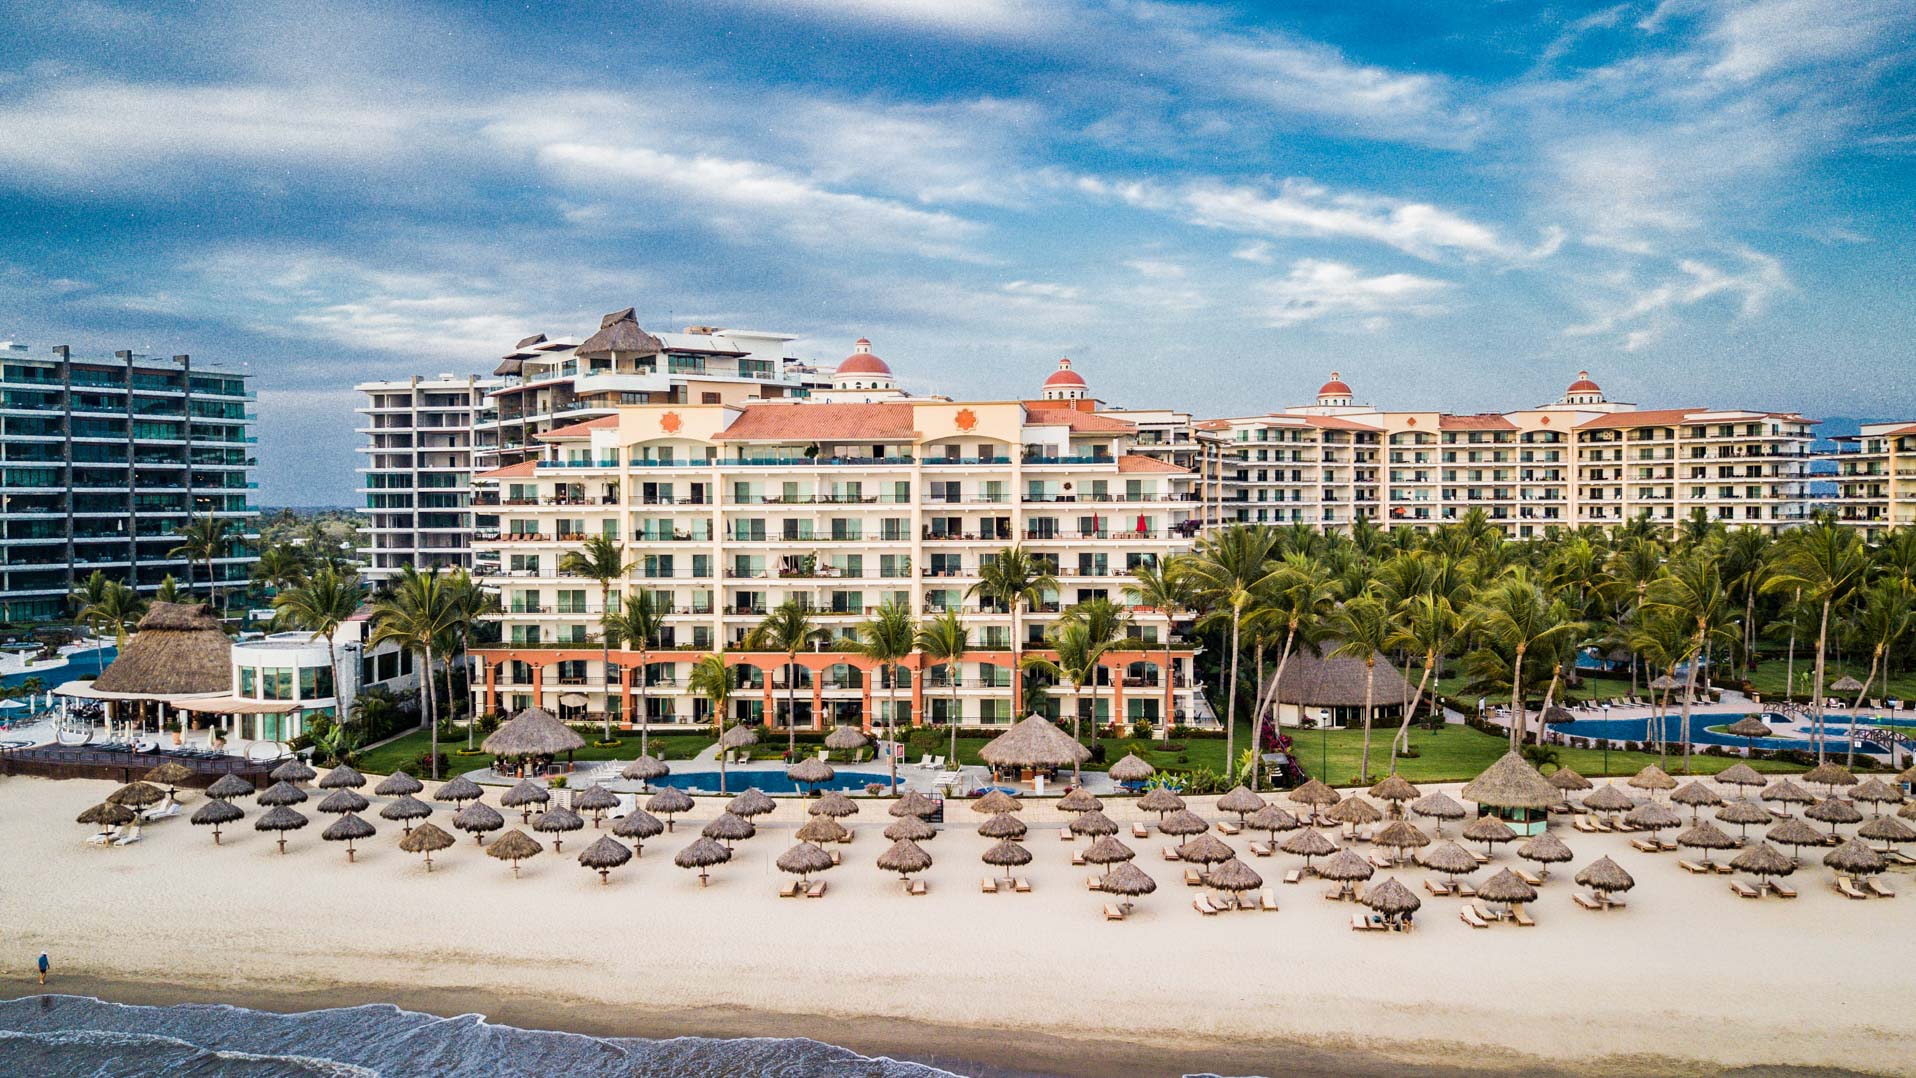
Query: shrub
point(556, 782)
point(423, 765)
point(488, 723)
point(1097, 753)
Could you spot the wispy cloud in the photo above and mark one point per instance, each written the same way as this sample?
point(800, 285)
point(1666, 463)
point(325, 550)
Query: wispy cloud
point(1642, 312)
point(1318, 289)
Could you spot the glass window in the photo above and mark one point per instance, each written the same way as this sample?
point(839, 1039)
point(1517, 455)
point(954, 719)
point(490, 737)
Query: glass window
point(248, 680)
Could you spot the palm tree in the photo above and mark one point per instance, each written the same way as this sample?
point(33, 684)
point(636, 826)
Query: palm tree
point(886, 638)
point(1362, 627)
point(1017, 580)
point(1693, 591)
point(788, 628)
point(944, 639)
point(1881, 622)
point(321, 604)
point(1227, 572)
point(280, 566)
point(1827, 561)
point(1077, 662)
point(418, 614)
point(1628, 572)
point(712, 678)
point(637, 624)
point(1661, 639)
point(600, 558)
point(1164, 587)
point(204, 539)
point(117, 609)
point(472, 605)
point(1300, 595)
point(168, 591)
point(1513, 614)
point(1105, 623)
point(1429, 624)
point(1748, 563)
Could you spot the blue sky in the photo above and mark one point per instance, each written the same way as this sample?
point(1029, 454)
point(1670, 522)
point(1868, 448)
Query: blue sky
point(1205, 206)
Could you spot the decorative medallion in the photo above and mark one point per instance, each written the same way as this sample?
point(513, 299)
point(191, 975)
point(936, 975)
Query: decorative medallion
point(1411, 422)
point(966, 419)
point(670, 423)
point(1546, 421)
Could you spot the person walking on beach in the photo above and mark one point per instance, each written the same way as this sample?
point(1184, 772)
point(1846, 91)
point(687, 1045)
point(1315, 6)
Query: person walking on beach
point(43, 967)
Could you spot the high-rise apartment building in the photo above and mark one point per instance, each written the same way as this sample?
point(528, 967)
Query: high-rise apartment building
point(1875, 477)
point(104, 460)
point(417, 476)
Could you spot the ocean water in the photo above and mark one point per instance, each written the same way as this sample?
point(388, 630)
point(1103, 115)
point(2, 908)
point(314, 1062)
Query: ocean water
point(59, 1036)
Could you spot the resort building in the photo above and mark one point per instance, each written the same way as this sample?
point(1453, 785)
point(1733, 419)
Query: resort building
point(1322, 688)
point(1875, 477)
point(286, 678)
point(1582, 459)
point(103, 460)
point(417, 476)
point(860, 496)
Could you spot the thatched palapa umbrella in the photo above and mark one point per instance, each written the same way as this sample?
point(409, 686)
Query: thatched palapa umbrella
point(729, 827)
point(1489, 830)
point(217, 812)
point(1161, 800)
point(914, 828)
point(1833, 811)
point(913, 804)
point(405, 809)
point(1205, 850)
point(1345, 868)
point(668, 802)
point(1395, 789)
point(1749, 727)
point(460, 790)
point(169, 775)
point(1743, 812)
point(1127, 881)
point(1706, 836)
point(1878, 793)
point(556, 821)
point(1232, 876)
point(1354, 812)
point(752, 802)
point(1786, 792)
point(281, 793)
point(1696, 795)
point(1130, 769)
point(1763, 859)
point(1741, 775)
point(846, 739)
point(1605, 877)
point(1006, 855)
point(229, 786)
point(1392, 899)
point(532, 733)
point(477, 819)
point(804, 859)
point(904, 857)
point(1448, 858)
point(1002, 825)
point(1829, 775)
point(834, 804)
point(294, 771)
point(604, 855)
point(1272, 819)
point(515, 846)
point(637, 826)
point(809, 773)
point(997, 801)
point(1506, 889)
point(702, 854)
point(1887, 830)
point(280, 819)
point(1107, 850)
point(1511, 783)
point(1307, 843)
point(136, 795)
point(1653, 779)
point(1240, 801)
point(1795, 834)
point(349, 828)
point(1094, 824)
point(823, 829)
point(1399, 836)
point(1653, 816)
point(595, 799)
point(525, 796)
point(1183, 823)
point(1035, 742)
point(1079, 799)
point(342, 801)
point(1438, 806)
point(1315, 795)
point(342, 778)
point(1567, 780)
point(1546, 850)
point(644, 769)
point(1854, 858)
point(108, 816)
point(398, 784)
point(1608, 798)
point(427, 838)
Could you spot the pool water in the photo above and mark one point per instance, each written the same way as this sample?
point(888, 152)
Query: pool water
point(80, 666)
point(1639, 730)
point(771, 782)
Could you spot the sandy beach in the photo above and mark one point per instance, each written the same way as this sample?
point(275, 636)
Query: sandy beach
point(1687, 979)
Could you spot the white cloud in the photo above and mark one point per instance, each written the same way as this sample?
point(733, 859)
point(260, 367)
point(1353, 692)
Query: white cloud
point(965, 152)
point(1309, 79)
point(1317, 289)
point(1256, 251)
point(1642, 312)
point(1755, 39)
point(965, 17)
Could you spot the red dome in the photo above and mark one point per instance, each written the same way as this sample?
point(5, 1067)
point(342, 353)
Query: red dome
point(1583, 384)
point(1334, 388)
point(861, 361)
point(1064, 376)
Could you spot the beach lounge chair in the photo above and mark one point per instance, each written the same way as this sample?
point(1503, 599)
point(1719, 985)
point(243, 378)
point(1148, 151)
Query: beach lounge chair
point(1522, 918)
point(1093, 883)
point(1260, 849)
point(1021, 885)
point(128, 836)
point(1077, 858)
point(1744, 890)
point(1482, 858)
point(1294, 875)
point(1468, 914)
point(1848, 889)
point(1782, 889)
point(1203, 906)
point(1529, 877)
point(1693, 867)
point(1112, 913)
point(1667, 845)
point(1192, 878)
point(988, 885)
point(1381, 861)
point(1440, 890)
point(817, 890)
point(1363, 923)
point(1646, 845)
point(835, 859)
point(1604, 826)
point(1722, 868)
point(1267, 901)
point(1138, 830)
point(1335, 893)
point(1226, 827)
point(1463, 889)
point(1170, 854)
point(1586, 901)
point(1064, 834)
point(1898, 857)
point(926, 762)
point(1582, 823)
point(161, 811)
point(790, 890)
point(1877, 888)
point(104, 838)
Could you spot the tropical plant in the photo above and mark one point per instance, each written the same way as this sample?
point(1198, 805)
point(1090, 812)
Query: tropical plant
point(280, 566)
point(1301, 593)
point(886, 638)
point(1883, 618)
point(1514, 616)
point(601, 559)
point(637, 625)
point(711, 678)
point(1228, 570)
point(1693, 591)
point(116, 609)
point(169, 591)
point(1077, 663)
point(1827, 562)
point(418, 614)
point(472, 604)
point(1017, 580)
point(1362, 628)
point(320, 605)
point(944, 639)
point(788, 628)
point(204, 539)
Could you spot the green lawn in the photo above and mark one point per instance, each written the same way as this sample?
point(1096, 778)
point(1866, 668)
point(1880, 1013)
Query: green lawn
point(399, 754)
point(1767, 678)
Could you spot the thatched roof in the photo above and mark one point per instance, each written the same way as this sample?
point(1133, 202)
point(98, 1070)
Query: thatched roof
point(1886, 829)
point(1108, 850)
point(637, 824)
point(139, 794)
point(810, 771)
point(1506, 887)
point(702, 853)
point(1833, 810)
point(1355, 810)
point(229, 785)
point(1391, 897)
point(1654, 815)
point(824, 829)
point(1326, 680)
point(1830, 774)
point(106, 814)
point(279, 818)
point(1007, 854)
point(605, 853)
point(1439, 806)
point(1748, 726)
point(1847, 684)
point(1511, 783)
point(1786, 791)
point(1908, 811)
point(1665, 683)
point(1394, 788)
point(343, 800)
point(834, 804)
point(1545, 849)
point(1161, 799)
point(1567, 780)
point(1400, 835)
point(645, 769)
point(459, 789)
point(1763, 859)
point(1233, 875)
point(281, 793)
point(1131, 768)
point(1002, 825)
point(752, 802)
point(904, 857)
point(1314, 792)
point(1694, 793)
point(595, 798)
point(1652, 777)
point(1609, 799)
point(1854, 858)
point(342, 777)
point(1273, 819)
point(997, 801)
point(911, 827)
point(215, 811)
point(1744, 812)
point(1205, 849)
point(1489, 829)
point(1605, 875)
point(1447, 857)
point(406, 808)
point(1876, 790)
point(1741, 775)
point(1128, 880)
point(556, 819)
point(532, 732)
point(739, 736)
point(398, 784)
point(515, 845)
point(179, 649)
point(1706, 836)
point(294, 770)
point(913, 804)
point(1093, 823)
point(478, 817)
point(846, 738)
point(804, 859)
point(1794, 832)
point(1079, 799)
point(527, 792)
point(1183, 822)
point(620, 332)
point(167, 774)
point(1345, 865)
point(730, 827)
point(348, 828)
point(1241, 801)
point(1034, 742)
point(1308, 842)
point(424, 839)
point(668, 801)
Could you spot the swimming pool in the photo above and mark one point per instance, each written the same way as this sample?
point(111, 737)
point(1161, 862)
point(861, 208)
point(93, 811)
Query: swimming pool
point(1639, 730)
point(80, 666)
point(771, 782)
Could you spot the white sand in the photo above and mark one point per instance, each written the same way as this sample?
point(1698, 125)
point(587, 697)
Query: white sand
point(1688, 971)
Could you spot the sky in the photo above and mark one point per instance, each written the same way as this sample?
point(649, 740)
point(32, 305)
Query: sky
point(1205, 206)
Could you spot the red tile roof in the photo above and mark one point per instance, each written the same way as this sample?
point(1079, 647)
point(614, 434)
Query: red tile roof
point(525, 469)
point(1481, 421)
point(777, 422)
point(1331, 422)
point(1138, 462)
point(1078, 421)
point(580, 430)
point(1650, 417)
